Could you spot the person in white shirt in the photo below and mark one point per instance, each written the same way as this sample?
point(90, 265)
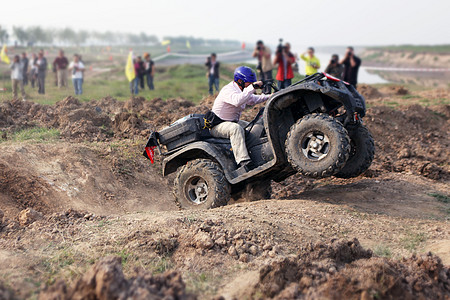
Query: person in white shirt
point(17, 76)
point(228, 106)
point(77, 69)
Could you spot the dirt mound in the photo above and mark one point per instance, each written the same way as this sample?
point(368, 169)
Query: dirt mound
point(106, 280)
point(6, 294)
point(22, 187)
point(96, 120)
point(411, 139)
point(396, 90)
point(368, 91)
point(344, 270)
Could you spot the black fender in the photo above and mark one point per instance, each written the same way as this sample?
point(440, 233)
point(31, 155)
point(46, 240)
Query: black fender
point(194, 151)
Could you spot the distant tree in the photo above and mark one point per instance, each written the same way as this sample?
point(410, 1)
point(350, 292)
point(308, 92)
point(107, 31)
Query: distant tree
point(21, 34)
point(67, 36)
point(3, 35)
point(40, 36)
point(81, 37)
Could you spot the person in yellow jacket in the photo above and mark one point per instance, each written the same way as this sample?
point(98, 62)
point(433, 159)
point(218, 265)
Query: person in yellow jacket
point(312, 62)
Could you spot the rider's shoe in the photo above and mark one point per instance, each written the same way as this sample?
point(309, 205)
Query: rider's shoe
point(247, 165)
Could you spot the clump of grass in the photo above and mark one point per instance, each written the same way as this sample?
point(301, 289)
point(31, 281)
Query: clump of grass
point(410, 96)
point(38, 134)
point(382, 250)
point(413, 240)
point(440, 197)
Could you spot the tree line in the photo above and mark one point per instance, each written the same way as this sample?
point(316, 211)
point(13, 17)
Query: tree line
point(37, 35)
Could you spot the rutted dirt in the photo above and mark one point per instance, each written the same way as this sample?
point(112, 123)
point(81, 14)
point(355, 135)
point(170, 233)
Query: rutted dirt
point(68, 203)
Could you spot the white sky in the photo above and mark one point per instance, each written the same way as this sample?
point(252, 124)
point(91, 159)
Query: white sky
point(313, 22)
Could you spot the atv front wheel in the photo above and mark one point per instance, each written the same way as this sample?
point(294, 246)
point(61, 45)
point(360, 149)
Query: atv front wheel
point(361, 153)
point(201, 184)
point(317, 146)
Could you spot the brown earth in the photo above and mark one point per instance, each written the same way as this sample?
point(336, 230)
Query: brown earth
point(91, 194)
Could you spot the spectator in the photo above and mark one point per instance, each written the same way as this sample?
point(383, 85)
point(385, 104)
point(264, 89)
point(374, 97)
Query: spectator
point(25, 62)
point(312, 62)
point(33, 69)
point(77, 69)
point(134, 84)
point(141, 74)
point(264, 64)
point(213, 72)
point(17, 76)
point(41, 64)
point(149, 70)
point(284, 59)
point(60, 64)
point(351, 66)
point(335, 68)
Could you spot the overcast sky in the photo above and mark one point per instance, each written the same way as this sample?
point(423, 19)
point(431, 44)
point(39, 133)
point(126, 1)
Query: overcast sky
point(313, 22)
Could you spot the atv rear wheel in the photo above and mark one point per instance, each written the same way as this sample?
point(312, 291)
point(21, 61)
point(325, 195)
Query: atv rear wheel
point(201, 184)
point(317, 146)
point(361, 153)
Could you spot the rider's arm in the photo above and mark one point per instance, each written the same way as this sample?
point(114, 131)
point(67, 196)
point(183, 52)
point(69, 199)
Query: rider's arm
point(255, 99)
point(237, 99)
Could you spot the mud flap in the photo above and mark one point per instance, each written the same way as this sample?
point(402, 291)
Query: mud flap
point(152, 143)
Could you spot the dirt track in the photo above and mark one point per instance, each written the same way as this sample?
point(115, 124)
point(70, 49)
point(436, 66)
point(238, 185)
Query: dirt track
point(122, 206)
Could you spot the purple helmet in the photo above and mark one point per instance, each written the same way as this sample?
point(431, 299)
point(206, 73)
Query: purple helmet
point(244, 73)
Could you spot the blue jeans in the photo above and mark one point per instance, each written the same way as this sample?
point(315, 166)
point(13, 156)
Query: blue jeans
point(150, 82)
point(134, 86)
point(78, 85)
point(284, 84)
point(212, 80)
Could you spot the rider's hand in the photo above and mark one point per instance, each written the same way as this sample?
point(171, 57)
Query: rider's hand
point(258, 84)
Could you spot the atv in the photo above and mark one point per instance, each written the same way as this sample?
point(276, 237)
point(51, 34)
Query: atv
point(314, 127)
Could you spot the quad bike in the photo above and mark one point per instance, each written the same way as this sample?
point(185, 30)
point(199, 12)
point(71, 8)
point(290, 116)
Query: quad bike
point(313, 127)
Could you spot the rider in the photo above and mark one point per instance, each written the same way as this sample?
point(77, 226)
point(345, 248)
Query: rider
point(229, 105)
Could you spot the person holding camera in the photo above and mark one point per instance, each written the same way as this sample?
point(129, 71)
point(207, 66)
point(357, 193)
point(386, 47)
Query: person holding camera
point(335, 68)
point(351, 63)
point(312, 62)
point(77, 69)
point(284, 59)
point(265, 66)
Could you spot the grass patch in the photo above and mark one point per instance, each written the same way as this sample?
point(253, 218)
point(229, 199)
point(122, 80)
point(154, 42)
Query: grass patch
point(382, 250)
point(440, 197)
point(37, 134)
point(412, 241)
point(410, 96)
point(392, 103)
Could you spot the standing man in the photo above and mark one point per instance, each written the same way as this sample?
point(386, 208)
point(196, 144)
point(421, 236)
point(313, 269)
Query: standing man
point(335, 68)
point(41, 64)
point(213, 72)
point(141, 72)
point(77, 69)
point(228, 106)
point(25, 62)
point(312, 62)
point(264, 64)
point(60, 64)
point(284, 58)
point(351, 63)
point(149, 70)
point(17, 76)
point(33, 69)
